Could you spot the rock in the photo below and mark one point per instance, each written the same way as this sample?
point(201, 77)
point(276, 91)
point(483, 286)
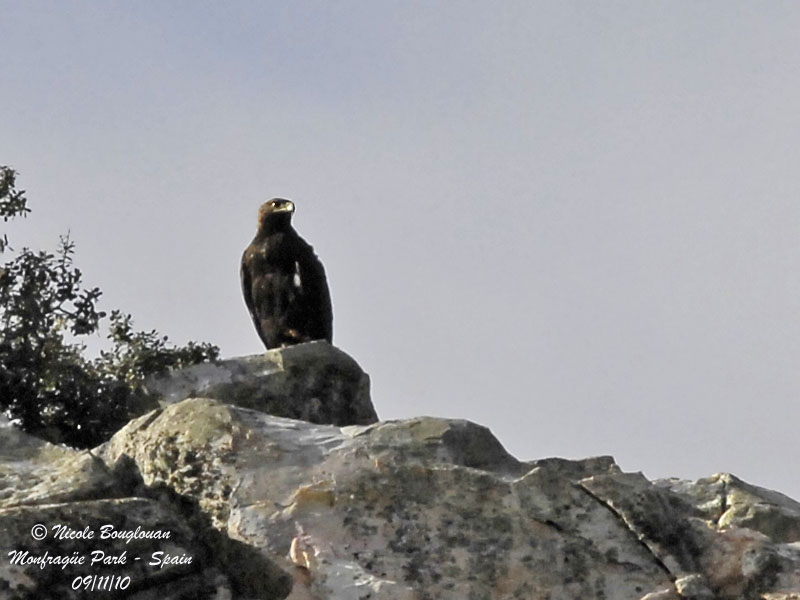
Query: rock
point(313, 382)
point(728, 501)
point(393, 508)
point(664, 594)
point(270, 507)
point(693, 587)
point(757, 539)
point(33, 471)
point(32, 581)
point(659, 518)
point(435, 508)
point(677, 522)
point(423, 508)
point(62, 513)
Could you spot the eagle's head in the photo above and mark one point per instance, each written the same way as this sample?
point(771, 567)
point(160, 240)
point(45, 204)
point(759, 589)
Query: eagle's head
point(275, 212)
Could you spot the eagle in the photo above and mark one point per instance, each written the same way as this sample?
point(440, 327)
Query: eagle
point(284, 283)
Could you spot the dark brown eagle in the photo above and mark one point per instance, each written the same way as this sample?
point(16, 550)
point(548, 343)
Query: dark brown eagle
point(284, 282)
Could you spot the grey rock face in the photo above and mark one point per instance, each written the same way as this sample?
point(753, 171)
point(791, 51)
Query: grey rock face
point(269, 507)
point(313, 382)
point(435, 508)
point(730, 502)
point(65, 522)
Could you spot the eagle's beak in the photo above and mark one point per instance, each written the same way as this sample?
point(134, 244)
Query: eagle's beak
point(286, 206)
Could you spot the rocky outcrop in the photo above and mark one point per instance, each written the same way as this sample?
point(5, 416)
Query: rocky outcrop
point(424, 508)
point(434, 508)
point(313, 382)
point(72, 526)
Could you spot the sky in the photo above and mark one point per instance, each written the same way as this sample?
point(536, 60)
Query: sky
point(576, 223)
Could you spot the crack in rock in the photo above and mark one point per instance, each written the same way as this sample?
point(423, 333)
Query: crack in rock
point(639, 538)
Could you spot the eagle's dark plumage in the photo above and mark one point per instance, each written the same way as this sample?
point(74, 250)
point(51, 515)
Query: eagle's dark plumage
point(284, 282)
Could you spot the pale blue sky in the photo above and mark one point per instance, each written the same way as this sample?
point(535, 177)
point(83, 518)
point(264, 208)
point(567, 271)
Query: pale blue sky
point(577, 223)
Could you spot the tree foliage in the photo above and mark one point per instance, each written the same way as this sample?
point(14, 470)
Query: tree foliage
point(47, 385)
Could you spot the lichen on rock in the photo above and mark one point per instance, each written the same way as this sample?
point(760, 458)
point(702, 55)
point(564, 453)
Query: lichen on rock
point(332, 505)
